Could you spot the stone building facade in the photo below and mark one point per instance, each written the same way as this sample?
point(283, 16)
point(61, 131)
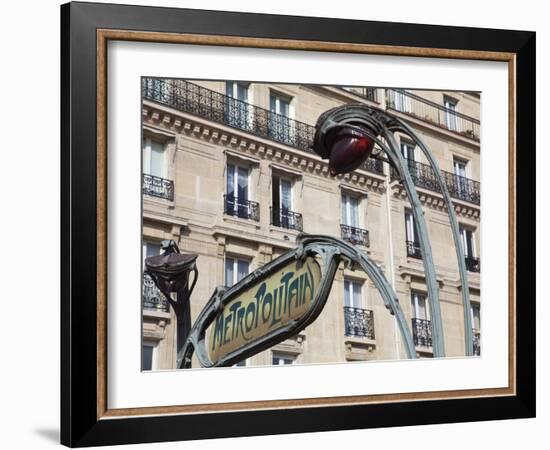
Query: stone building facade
point(229, 174)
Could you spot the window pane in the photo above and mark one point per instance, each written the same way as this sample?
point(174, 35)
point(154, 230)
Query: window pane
point(347, 293)
point(229, 279)
point(147, 357)
point(157, 159)
point(354, 212)
point(422, 307)
point(286, 194)
point(243, 183)
point(357, 300)
point(152, 249)
point(230, 180)
point(242, 92)
point(242, 269)
point(344, 210)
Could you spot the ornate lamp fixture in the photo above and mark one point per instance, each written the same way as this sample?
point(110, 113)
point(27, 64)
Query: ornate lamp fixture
point(170, 272)
point(347, 136)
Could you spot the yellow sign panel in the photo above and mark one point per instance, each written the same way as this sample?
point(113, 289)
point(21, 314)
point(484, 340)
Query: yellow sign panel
point(267, 306)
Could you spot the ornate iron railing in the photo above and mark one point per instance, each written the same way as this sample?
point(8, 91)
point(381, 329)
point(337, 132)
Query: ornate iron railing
point(422, 332)
point(413, 249)
point(245, 209)
point(157, 187)
point(462, 188)
point(359, 322)
point(285, 218)
point(152, 298)
point(211, 105)
point(353, 235)
point(431, 112)
point(423, 176)
point(472, 263)
point(477, 342)
point(368, 93)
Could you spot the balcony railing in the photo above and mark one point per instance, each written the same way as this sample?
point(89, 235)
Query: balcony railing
point(356, 236)
point(472, 264)
point(422, 332)
point(285, 218)
point(152, 298)
point(423, 176)
point(413, 249)
point(368, 93)
point(211, 105)
point(157, 187)
point(431, 112)
point(245, 209)
point(477, 342)
point(359, 322)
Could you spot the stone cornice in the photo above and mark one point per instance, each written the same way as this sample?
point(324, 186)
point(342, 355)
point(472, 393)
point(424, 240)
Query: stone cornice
point(435, 201)
point(254, 146)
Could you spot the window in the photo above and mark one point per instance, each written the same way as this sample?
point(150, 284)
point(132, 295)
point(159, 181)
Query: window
point(150, 249)
point(450, 113)
point(350, 210)
point(147, 356)
point(419, 306)
point(154, 158)
point(152, 298)
point(411, 233)
point(237, 110)
point(281, 192)
point(235, 270)
point(407, 150)
point(475, 314)
point(468, 244)
point(280, 124)
point(402, 101)
point(421, 325)
point(280, 359)
point(236, 199)
point(460, 167)
point(352, 294)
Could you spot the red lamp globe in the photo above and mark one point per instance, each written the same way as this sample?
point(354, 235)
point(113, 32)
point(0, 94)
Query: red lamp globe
point(348, 149)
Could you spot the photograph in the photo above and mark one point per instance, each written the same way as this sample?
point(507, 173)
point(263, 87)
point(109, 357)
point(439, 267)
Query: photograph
point(235, 178)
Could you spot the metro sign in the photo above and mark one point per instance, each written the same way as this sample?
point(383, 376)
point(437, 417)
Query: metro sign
point(285, 296)
point(277, 301)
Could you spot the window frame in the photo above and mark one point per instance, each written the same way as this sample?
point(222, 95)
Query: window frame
point(354, 284)
point(235, 268)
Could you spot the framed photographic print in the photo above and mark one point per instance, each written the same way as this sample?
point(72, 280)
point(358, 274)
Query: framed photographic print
point(278, 224)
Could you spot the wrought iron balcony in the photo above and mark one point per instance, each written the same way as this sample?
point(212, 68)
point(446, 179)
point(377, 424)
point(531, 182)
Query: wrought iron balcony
point(477, 342)
point(245, 209)
point(430, 112)
point(368, 93)
point(211, 105)
point(356, 236)
point(413, 249)
point(423, 176)
point(158, 187)
point(152, 298)
point(422, 332)
point(359, 322)
point(472, 264)
point(285, 218)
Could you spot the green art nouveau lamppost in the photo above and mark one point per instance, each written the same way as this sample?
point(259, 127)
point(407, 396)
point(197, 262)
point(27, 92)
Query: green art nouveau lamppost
point(347, 136)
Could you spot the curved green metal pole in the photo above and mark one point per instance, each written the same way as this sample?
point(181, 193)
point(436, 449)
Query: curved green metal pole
point(468, 335)
point(398, 161)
